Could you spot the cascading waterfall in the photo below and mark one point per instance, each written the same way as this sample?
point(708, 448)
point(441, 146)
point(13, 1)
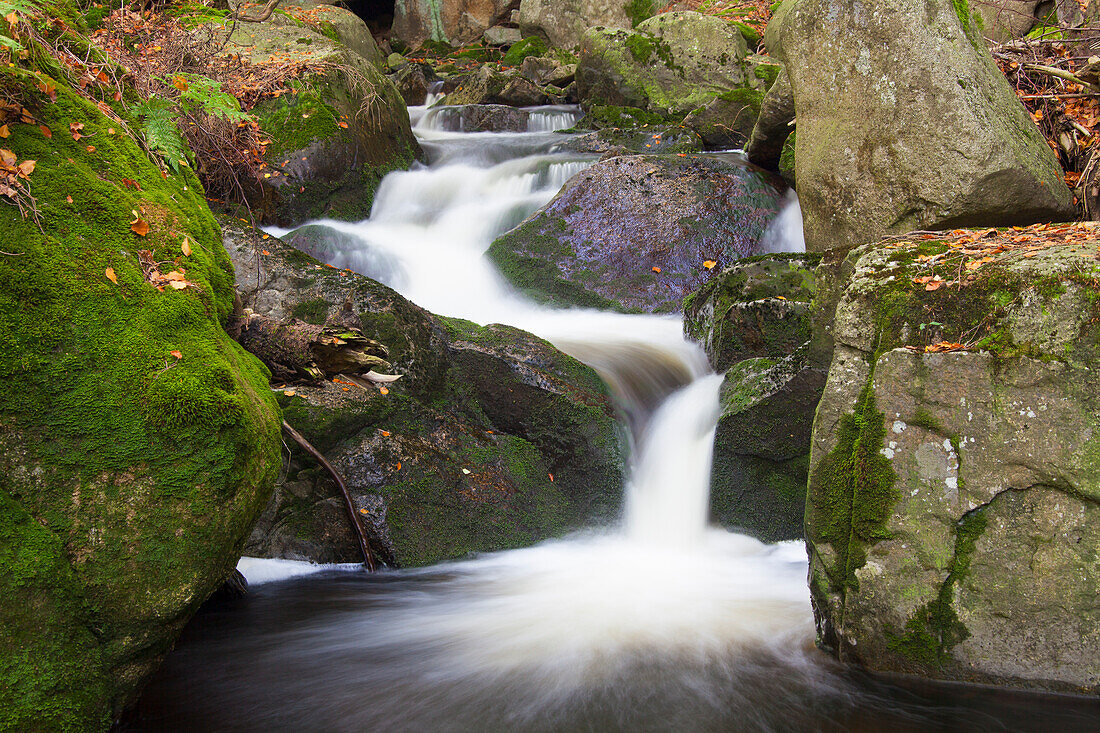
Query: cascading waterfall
point(660, 624)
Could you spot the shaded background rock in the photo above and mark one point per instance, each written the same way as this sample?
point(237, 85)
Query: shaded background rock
point(491, 438)
point(456, 22)
point(563, 22)
point(938, 141)
point(598, 242)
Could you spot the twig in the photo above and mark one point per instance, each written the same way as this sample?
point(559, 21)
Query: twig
point(1061, 74)
point(360, 533)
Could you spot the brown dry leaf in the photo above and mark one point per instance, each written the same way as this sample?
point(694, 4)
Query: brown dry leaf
point(139, 227)
point(289, 392)
point(75, 128)
point(177, 284)
point(934, 285)
point(264, 251)
point(26, 168)
point(943, 346)
point(7, 158)
point(110, 273)
point(175, 275)
point(922, 280)
point(90, 148)
point(46, 132)
point(186, 248)
point(176, 354)
point(69, 199)
point(4, 131)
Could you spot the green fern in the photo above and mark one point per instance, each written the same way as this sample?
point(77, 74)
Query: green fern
point(202, 92)
point(160, 131)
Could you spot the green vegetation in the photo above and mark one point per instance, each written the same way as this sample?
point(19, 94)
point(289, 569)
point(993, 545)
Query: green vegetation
point(530, 46)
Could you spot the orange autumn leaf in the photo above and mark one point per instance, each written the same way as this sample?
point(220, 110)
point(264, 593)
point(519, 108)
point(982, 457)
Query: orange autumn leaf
point(186, 248)
point(383, 390)
point(177, 284)
point(177, 354)
point(46, 132)
point(385, 433)
point(110, 273)
point(69, 199)
point(139, 227)
point(75, 128)
point(709, 264)
point(26, 168)
point(90, 148)
point(657, 270)
point(4, 131)
point(343, 125)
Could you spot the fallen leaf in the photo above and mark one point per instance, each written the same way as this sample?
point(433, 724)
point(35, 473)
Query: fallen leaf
point(934, 285)
point(343, 125)
point(383, 390)
point(90, 148)
point(466, 471)
point(7, 157)
point(4, 131)
point(177, 354)
point(139, 227)
point(46, 132)
point(399, 465)
point(289, 392)
point(75, 128)
point(385, 433)
point(657, 270)
point(264, 251)
point(26, 168)
point(186, 247)
point(110, 273)
point(551, 477)
point(69, 199)
point(709, 264)
point(364, 511)
point(177, 284)
point(181, 83)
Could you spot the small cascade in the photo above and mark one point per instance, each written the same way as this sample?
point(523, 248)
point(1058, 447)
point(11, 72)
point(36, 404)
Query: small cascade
point(435, 94)
point(785, 233)
point(552, 119)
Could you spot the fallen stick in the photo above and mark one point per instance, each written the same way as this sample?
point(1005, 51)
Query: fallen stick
point(357, 526)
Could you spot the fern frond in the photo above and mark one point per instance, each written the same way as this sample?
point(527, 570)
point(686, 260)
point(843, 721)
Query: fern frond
point(198, 91)
point(160, 132)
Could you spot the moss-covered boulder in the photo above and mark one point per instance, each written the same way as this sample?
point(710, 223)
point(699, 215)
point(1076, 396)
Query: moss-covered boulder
point(773, 125)
point(343, 127)
point(650, 139)
point(754, 322)
point(138, 442)
point(491, 439)
point(906, 123)
point(634, 233)
point(727, 120)
point(673, 62)
point(340, 25)
point(490, 85)
point(563, 22)
point(954, 498)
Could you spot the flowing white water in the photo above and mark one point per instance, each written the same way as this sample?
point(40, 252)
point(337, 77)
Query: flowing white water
point(561, 620)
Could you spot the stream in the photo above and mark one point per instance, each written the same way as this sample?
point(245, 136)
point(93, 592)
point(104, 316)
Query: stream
point(661, 623)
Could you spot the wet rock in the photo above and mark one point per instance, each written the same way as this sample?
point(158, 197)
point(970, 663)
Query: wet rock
point(940, 141)
point(500, 35)
point(329, 152)
point(413, 82)
point(490, 439)
point(673, 62)
point(727, 120)
point(652, 139)
point(754, 322)
point(953, 496)
point(490, 86)
point(772, 128)
point(541, 71)
point(601, 240)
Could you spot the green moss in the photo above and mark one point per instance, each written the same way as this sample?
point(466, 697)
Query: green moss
point(641, 47)
point(855, 491)
point(530, 46)
point(751, 35)
point(639, 10)
point(935, 628)
point(312, 311)
point(751, 98)
point(768, 73)
point(786, 159)
point(598, 117)
point(150, 466)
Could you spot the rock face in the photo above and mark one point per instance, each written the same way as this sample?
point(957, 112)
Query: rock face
point(563, 22)
point(491, 86)
point(905, 123)
point(673, 62)
point(954, 498)
point(632, 233)
point(138, 442)
point(335, 137)
point(772, 128)
point(491, 439)
point(456, 22)
point(754, 322)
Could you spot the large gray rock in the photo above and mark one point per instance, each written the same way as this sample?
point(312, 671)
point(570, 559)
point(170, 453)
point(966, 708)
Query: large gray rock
point(754, 322)
point(491, 438)
point(772, 127)
point(954, 498)
point(333, 138)
point(673, 62)
point(905, 123)
point(633, 232)
point(456, 22)
point(563, 22)
point(488, 85)
point(1003, 20)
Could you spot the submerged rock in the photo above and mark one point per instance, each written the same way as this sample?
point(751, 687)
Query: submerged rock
point(334, 137)
point(953, 510)
point(633, 233)
point(491, 438)
point(138, 442)
point(673, 62)
point(754, 322)
point(937, 141)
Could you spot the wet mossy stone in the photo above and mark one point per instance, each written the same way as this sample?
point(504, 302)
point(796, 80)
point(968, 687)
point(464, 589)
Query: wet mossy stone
point(334, 136)
point(128, 476)
point(491, 439)
point(632, 233)
point(648, 140)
